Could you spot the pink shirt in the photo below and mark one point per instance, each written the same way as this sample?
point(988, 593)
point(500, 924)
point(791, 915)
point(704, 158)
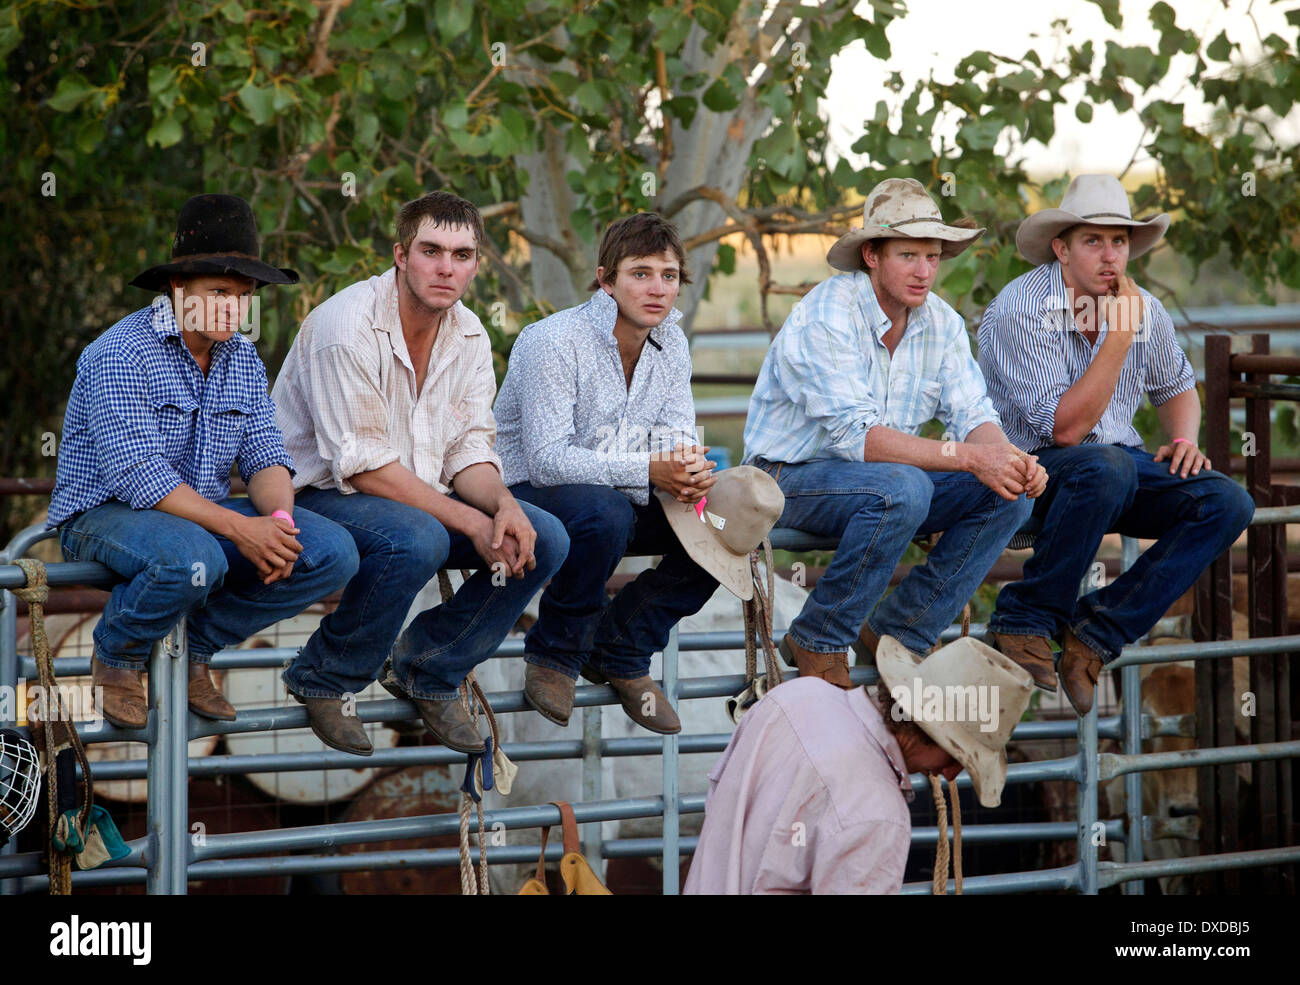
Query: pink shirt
point(808, 797)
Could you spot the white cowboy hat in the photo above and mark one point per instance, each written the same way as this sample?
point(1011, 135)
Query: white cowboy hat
point(1094, 200)
point(899, 208)
point(739, 512)
point(967, 666)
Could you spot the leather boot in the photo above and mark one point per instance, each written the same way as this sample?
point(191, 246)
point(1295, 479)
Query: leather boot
point(864, 648)
point(641, 699)
point(833, 668)
point(122, 700)
point(206, 699)
point(335, 729)
point(550, 692)
point(1079, 669)
point(1034, 653)
point(448, 721)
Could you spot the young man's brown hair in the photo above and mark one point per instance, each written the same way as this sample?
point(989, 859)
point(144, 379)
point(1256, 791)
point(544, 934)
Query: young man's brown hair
point(641, 235)
point(444, 209)
point(897, 723)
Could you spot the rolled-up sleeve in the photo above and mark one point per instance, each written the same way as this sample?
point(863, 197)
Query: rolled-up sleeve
point(474, 443)
point(548, 396)
point(1168, 370)
point(820, 371)
point(350, 413)
point(964, 402)
point(263, 444)
point(1023, 346)
point(128, 443)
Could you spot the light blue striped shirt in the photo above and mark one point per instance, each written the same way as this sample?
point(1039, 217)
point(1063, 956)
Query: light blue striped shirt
point(1031, 354)
point(828, 379)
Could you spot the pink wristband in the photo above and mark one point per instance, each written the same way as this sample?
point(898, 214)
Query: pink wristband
point(1176, 440)
point(282, 515)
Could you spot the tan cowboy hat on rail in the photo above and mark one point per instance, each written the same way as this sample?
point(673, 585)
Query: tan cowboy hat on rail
point(1093, 200)
point(981, 679)
point(899, 208)
point(739, 512)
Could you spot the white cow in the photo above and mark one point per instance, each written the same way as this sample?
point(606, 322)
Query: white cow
point(539, 782)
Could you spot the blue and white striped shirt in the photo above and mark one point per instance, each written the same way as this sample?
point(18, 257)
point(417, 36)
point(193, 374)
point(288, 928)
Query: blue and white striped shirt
point(828, 378)
point(142, 418)
point(1031, 353)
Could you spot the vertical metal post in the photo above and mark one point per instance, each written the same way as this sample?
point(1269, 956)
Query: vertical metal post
point(9, 679)
point(591, 784)
point(1131, 722)
point(671, 857)
point(167, 768)
point(1087, 778)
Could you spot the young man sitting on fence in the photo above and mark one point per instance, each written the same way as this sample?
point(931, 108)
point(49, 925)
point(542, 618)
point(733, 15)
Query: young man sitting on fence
point(863, 361)
point(164, 403)
point(595, 413)
point(811, 793)
point(1068, 351)
point(386, 403)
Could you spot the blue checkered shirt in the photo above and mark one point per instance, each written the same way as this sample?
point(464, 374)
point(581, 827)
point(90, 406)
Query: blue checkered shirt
point(1031, 354)
point(142, 418)
point(828, 379)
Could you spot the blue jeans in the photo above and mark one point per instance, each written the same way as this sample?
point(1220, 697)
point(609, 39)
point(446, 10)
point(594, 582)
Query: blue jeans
point(1096, 489)
point(174, 567)
point(574, 624)
point(401, 549)
point(875, 509)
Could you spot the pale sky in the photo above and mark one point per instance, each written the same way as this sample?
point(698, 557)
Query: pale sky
point(936, 34)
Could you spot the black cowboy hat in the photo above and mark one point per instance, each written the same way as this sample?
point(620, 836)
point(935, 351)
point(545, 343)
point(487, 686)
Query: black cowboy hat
point(215, 234)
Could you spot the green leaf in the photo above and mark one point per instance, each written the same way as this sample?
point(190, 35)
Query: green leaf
point(958, 280)
point(1083, 111)
point(164, 132)
point(260, 103)
point(1110, 11)
point(71, 92)
point(233, 12)
point(1220, 48)
point(719, 97)
point(589, 97)
point(160, 77)
point(453, 18)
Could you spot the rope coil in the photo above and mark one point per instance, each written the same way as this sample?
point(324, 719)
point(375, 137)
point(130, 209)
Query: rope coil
point(942, 855)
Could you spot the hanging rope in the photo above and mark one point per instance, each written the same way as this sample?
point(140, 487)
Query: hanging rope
point(758, 628)
point(35, 594)
point(473, 699)
point(941, 856)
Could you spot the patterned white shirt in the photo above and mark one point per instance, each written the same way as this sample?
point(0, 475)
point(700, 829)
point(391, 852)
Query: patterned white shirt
point(828, 378)
point(566, 414)
point(1031, 354)
point(346, 399)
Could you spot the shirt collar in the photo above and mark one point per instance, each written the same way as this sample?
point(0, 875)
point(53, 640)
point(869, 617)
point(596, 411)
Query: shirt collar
point(865, 708)
point(603, 314)
point(874, 315)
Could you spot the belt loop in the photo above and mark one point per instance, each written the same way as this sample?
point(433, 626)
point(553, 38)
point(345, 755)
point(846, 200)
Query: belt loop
point(779, 466)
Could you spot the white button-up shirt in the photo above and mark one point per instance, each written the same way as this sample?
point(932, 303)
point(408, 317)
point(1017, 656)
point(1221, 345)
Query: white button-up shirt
point(828, 377)
point(566, 414)
point(346, 398)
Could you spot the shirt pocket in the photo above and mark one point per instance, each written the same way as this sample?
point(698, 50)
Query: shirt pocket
point(913, 400)
point(175, 417)
point(228, 423)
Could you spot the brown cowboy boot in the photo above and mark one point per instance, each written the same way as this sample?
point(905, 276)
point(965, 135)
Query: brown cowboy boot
point(550, 692)
point(833, 668)
point(1034, 653)
point(122, 699)
point(205, 698)
point(446, 720)
point(642, 700)
point(864, 647)
point(1079, 669)
point(332, 727)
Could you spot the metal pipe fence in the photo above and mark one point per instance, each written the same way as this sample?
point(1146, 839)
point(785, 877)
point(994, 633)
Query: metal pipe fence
point(166, 858)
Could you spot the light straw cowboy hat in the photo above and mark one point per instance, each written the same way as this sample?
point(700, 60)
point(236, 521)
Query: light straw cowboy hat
point(899, 208)
point(1093, 200)
point(739, 511)
point(963, 664)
